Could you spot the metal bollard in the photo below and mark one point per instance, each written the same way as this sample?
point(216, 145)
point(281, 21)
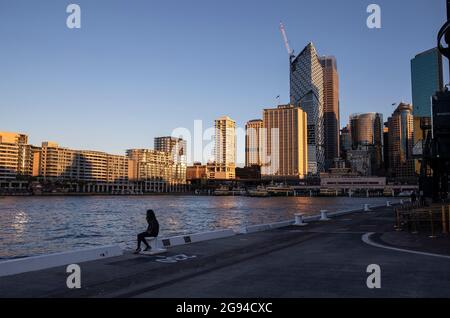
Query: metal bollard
point(366, 207)
point(299, 220)
point(388, 203)
point(323, 215)
point(401, 201)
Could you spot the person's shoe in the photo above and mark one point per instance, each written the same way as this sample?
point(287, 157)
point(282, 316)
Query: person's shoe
point(148, 248)
point(137, 251)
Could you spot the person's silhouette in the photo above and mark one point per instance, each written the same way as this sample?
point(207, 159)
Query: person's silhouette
point(152, 231)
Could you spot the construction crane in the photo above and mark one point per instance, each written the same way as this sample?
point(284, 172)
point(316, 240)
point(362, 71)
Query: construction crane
point(286, 42)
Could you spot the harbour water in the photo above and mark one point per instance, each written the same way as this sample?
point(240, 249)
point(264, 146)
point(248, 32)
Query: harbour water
point(38, 225)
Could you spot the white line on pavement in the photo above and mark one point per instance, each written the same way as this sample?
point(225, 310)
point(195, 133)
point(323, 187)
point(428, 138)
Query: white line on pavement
point(366, 239)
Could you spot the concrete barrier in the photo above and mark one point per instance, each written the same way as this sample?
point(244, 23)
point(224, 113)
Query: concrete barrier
point(191, 238)
point(35, 263)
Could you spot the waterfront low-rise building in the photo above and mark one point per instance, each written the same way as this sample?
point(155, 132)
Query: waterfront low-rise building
point(64, 164)
point(196, 172)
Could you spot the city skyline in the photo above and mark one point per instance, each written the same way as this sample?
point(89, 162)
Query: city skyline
point(38, 72)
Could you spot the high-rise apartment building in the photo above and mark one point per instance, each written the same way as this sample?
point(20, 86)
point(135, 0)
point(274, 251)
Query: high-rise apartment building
point(331, 120)
point(225, 141)
point(224, 165)
point(253, 142)
point(426, 80)
point(64, 164)
point(367, 133)
point(149, 164)
point(16, 156)
point(177, 148)
point(306, 91)
point(400, 138)
point(285, 146)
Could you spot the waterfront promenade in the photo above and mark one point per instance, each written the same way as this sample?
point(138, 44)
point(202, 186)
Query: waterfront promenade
point(322, 259)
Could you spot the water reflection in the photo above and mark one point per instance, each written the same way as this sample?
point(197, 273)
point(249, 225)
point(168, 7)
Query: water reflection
point(36, 225)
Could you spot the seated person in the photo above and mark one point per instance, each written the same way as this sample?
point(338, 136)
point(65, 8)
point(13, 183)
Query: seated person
point(152, 231)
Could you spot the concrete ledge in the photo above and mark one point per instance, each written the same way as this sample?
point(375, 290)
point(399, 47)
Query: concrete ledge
point(192, 238)
point(35, 263)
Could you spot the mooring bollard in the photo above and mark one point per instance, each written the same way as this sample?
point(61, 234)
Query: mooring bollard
point(366, 207)
point(388, 203)
point(323, 215)
point(299, 220)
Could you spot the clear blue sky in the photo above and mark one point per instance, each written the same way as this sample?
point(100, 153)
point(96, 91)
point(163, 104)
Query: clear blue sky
point(138, 69)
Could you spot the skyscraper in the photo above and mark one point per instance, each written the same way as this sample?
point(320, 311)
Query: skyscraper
point(345, 141)
point(285, 150)
point(367, 134)
point(400, 139)
point(253, 142)
point(426, 79)
point(306, 91)
point(331, 122)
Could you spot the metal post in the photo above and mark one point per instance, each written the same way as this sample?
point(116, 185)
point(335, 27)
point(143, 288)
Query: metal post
point(397, 227)
point(447, 35)
point(432, 225)
point(444, 224)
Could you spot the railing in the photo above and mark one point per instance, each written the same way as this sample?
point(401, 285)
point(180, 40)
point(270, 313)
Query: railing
point(418, 218)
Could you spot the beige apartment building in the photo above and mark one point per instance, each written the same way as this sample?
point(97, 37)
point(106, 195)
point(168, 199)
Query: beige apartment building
point(285, 152)
point(58, 163)
point(148, 164)
point(224, 164)
point(16, 156)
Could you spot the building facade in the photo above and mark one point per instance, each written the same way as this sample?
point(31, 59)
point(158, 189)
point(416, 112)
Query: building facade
point(345, 141)
point(224, 164)
point(63, 164)
point(331, 120)
point(196, 172)
point(177, 148)
point(285, 145)
point(149, 164)
point(367, 133)
point(253, 142)
point(16, 156)
point(400, 138)
point(306, 91)
point(426, 80)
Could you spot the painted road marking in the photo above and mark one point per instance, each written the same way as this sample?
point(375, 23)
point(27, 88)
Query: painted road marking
point(366, 239)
